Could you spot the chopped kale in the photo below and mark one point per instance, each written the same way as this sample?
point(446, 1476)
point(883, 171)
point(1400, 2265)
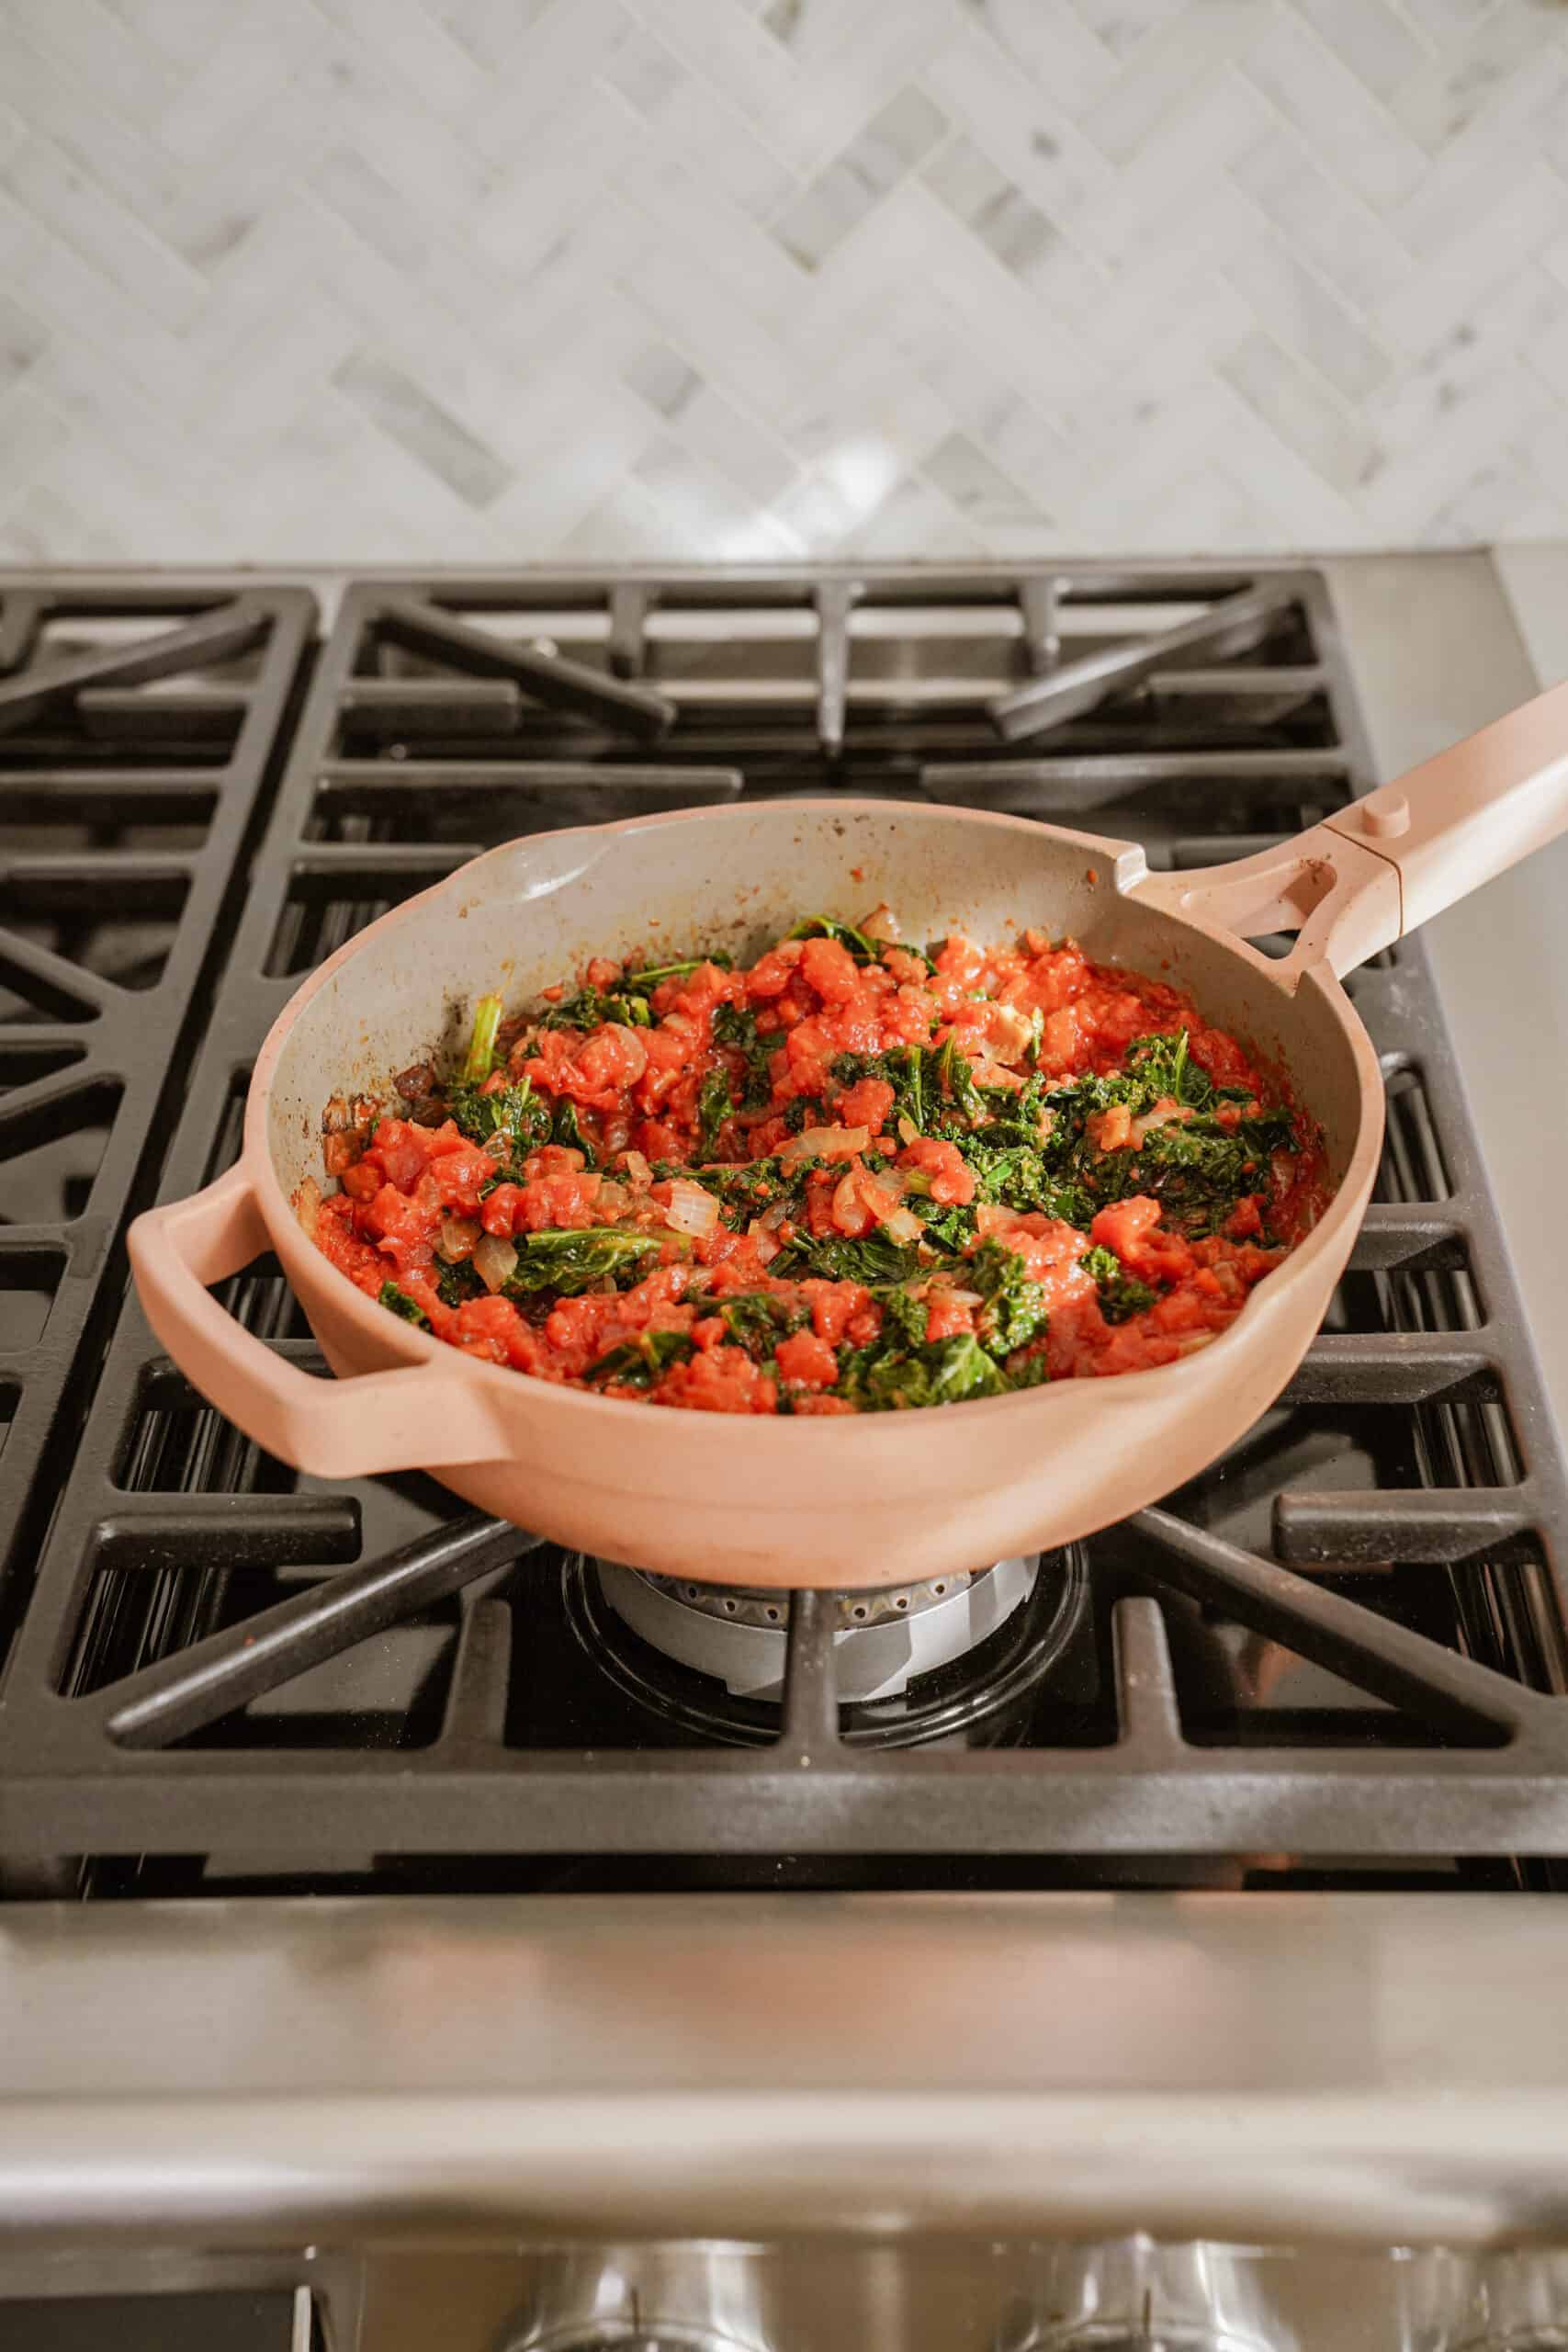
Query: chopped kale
point(955, 1081)
point(573, 1260)
point(591, 1006)
point(947, 1227)
point(455, 1284)
point(736, 1025)
point(510, 1123)
point(566, 1128)
point(637, 1364)
point(747, 1187)
point(758, 1319)
point(1121, 1293)
point(1014, 1312)
point(837, 1260)
point(940, 1372)
point(824, 927)
point(653, 976)
point(714, 1107)
point(399, 1303)
point(1017, 1116)
point(1197, 1171)
point(480, 1059)
point(903, 1317)
point(903, 1067)
point(1161, 1063)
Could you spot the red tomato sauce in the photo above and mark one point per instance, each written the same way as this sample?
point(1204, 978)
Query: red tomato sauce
point(857, 1175)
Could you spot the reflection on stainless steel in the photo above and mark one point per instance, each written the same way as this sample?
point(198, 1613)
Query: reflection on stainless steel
point(1137, 2296)
point(681, 2298)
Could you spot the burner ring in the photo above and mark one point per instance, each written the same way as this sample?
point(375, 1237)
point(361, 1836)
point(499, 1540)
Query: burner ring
point(768, 1607)
point(983, 1695)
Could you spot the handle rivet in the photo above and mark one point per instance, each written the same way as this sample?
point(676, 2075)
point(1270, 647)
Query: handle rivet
point(1385, 814)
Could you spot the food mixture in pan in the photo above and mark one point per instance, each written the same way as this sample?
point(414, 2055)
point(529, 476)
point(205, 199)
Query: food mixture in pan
point(859, 1175)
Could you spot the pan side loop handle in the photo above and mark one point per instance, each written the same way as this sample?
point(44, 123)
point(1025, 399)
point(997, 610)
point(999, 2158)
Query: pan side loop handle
point(1392, 860)
point(421, 1417)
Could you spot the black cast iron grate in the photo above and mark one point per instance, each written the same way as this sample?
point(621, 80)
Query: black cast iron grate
point(137, 732)
point(1346, 1640)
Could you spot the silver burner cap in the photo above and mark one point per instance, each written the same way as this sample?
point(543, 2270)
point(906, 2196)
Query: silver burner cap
point(736, 1633)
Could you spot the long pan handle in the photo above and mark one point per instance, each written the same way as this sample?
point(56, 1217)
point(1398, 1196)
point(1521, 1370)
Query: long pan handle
point(1372, 871)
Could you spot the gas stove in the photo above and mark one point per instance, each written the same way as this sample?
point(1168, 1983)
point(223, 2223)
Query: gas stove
point(221, 1675)
point(1335, 1662)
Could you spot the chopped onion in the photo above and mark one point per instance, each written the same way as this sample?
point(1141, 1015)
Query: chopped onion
point(692, 1209)
point(307, 1206)
point(1008, 1030)
point(908, 1131)
point(774, 1216)
point(991, 1218)
point(767, 1247)
point(903, 1226)
point(495, 1261)
point(635, 1046)
point(459, 1237)
point(825, 1143)
point(1164, 1115)
point(638, 1168)
point(967, 1298)
point(881, 924)
point(610, 1196)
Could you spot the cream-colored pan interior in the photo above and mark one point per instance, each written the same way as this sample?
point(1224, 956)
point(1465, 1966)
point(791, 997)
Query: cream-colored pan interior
point(532, 912)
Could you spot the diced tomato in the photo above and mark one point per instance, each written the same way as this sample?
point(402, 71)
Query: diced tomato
point(394, 1215)
point(1130, 1228)
point(721, 1380)
point(830, 969)
point(865, 1104)
point(499, 1211)
point(946, 1317)
point(834, 1306)
point(459, 1174)
point(804, 1357)
point(952, 1179)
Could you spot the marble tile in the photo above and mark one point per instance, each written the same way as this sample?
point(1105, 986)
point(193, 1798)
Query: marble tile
point(1308, 317)
point(839, 199)
point(402, 410)
point(414, 278)
point(1301, 75)
point(1301, 410)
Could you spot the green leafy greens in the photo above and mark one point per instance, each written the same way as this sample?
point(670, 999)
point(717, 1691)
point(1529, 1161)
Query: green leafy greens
point(571, 1261)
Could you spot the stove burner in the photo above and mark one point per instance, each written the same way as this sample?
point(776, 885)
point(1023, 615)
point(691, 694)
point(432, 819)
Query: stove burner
point(959, 1656)
point(884, 1640)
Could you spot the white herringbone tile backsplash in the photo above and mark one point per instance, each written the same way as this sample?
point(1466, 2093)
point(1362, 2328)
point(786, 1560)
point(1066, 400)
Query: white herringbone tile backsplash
point(502, 280)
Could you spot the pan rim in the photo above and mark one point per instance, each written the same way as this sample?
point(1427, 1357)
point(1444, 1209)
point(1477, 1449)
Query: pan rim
point(388, 1335)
